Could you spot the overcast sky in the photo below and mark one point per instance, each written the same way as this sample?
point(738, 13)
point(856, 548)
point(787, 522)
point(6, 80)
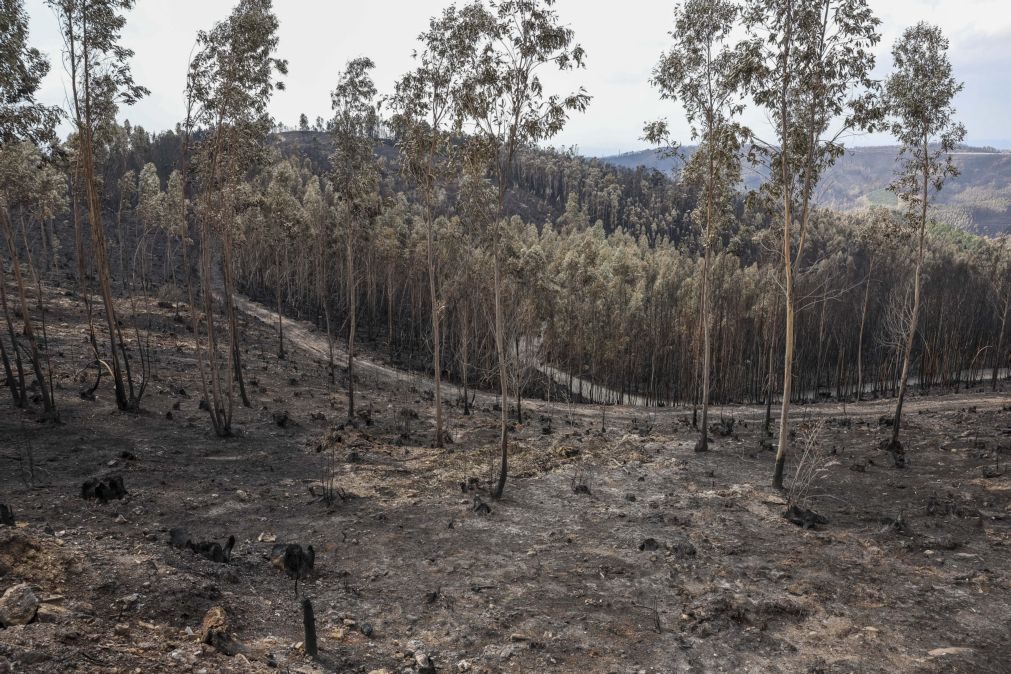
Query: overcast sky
point(623, 42)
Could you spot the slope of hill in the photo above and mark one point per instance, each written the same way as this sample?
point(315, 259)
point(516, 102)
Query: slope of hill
point(546, 185)
point(978, 200)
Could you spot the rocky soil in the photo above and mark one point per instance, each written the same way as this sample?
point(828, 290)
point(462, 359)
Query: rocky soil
point(616, 548)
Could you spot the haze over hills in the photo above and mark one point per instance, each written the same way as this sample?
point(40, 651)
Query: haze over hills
point(978, 200)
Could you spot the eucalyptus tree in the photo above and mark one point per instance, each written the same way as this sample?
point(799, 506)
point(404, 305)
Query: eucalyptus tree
point(19, 187)
point(100, 80)
point(174, 219)
point(150, 212)
point(127, 188)
point(318, 204)
point(807, 63)
point(426, 119)
point(229, 85)
point(702, 73)
point(503, 99)
point(24, 124)
point(283, 211)
point(919, 96)
point(22, 117)
point(355, 176)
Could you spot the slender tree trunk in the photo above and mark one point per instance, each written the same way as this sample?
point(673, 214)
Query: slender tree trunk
point(48, 404)
point(769, 389)
point(895, 445)
point(821, 352)
point(998, 359)
point(102, 268)
point(121, 236)
point(465, 350)
point(329, 342)
point(500, 350)
point(215, 400)
point(777, 480)
point(436, 337)
point(83, 117)
point(352, 319)
point(233, 325)
point(18, 388)
point(280, 318)
point(9, 373)
point(519, 383)
point(860, 339)
point(703, 443)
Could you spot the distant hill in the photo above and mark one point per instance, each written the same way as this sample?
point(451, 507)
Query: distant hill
point(978, 200)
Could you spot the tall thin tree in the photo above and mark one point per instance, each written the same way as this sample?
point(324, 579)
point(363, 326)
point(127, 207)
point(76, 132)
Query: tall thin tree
point(702, 72)
point(24, 123)
point(230, 82)
point(807, 63)
point(503, 98)
point(919, 95)
point(426, 119)
point(355, 170)
point(100, 80)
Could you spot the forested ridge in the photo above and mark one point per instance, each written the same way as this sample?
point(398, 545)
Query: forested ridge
point(410, 390)
point(444, 234)
point(603, 275)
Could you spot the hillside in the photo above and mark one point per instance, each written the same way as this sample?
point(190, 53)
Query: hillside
point(545, 184)
point(618, 548)
point(978, 200)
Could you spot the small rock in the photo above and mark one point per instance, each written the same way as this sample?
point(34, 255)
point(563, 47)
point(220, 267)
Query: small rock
point(803, 517)
point(953, 650)
point(423, 662)
point(215, 632)
point(367, 629)
point(18, 605)
point(649, 545)
point(683, 548)
point(50, 613)
point(120, 519)
point(129, 600)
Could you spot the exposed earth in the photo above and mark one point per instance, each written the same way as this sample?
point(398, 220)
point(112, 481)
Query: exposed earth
point(615, 549)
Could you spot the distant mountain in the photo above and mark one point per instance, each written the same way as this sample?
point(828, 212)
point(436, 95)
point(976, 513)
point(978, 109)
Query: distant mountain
point(978, 200)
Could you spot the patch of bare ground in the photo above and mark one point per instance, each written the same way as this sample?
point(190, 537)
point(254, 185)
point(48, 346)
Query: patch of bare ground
point(614, 550)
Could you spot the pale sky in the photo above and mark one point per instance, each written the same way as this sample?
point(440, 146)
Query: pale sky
point(623, 41)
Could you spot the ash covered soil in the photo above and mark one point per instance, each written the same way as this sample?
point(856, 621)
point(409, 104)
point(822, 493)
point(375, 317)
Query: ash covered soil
point(616, 548)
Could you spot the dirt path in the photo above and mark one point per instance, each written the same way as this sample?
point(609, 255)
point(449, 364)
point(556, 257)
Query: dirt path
point(307, 337)
point(596, 393)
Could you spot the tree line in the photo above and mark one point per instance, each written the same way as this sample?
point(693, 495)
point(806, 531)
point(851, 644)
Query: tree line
point(431, 223)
